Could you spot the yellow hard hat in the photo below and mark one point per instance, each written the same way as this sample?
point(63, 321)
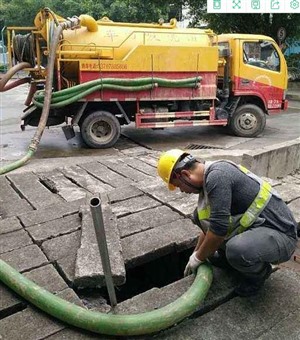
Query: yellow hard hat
point(166, 165)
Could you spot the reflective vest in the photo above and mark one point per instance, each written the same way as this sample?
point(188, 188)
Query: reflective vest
point(242, 222)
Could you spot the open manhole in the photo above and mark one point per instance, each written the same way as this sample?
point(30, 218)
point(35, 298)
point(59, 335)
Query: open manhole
point(200, 146)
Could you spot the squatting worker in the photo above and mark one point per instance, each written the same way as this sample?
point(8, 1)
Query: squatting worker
point(238, 212)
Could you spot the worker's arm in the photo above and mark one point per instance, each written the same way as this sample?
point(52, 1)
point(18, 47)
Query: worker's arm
point(200, 240)
point(210, 244)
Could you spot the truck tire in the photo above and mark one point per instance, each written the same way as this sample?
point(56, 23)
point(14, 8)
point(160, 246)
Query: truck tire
point(100, 130)
point(248, 121)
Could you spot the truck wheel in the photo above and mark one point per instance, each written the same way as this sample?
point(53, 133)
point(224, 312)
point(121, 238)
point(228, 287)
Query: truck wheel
point(100, 130)
point(247, 121)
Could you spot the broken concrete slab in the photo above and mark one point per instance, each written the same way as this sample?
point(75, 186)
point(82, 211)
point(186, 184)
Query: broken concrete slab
point(127, 192)
point(132, 205)
point(30, 187)
point(146, 219)
point(9, 302)
point(58, 183)
point(106, 175)
point(50, 213)
point(10, 224)
point(295, 208)
point(83, 179)
point(125, 170)
point(62, 246)
point(88, 268)
point(165, 239)
point(288, 192)
point(66, 268)
point(14, 240)
point(248, 318)
point(59, 227)
point(26, 258)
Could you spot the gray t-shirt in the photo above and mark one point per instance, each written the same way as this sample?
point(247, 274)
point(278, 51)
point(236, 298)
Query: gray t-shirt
point(230, 192)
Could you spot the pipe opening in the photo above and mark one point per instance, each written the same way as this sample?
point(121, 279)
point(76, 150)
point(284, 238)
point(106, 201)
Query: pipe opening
point(155, 274)
point(95, 202)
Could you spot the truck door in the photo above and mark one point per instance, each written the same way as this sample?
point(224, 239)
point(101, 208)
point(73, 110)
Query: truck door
point(262, 72)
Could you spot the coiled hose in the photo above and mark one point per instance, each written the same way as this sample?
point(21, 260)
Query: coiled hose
point(75, 93)
point(110, 324)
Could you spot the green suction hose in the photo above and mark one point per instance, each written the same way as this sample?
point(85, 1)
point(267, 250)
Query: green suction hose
point(110, 324)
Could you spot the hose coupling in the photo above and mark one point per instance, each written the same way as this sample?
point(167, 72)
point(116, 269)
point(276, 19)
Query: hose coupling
point(72, 22)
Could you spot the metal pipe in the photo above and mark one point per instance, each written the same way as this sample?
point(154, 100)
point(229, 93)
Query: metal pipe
point(95, 205)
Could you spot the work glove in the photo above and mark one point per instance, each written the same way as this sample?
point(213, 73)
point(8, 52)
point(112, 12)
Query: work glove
point(192, 265)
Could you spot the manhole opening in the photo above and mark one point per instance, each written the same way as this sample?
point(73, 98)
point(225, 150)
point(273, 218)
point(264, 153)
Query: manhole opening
point(200, 146)
point(156, 274)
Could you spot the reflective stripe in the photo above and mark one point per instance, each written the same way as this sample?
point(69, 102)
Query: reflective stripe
point(254, 210)
point(256, 207)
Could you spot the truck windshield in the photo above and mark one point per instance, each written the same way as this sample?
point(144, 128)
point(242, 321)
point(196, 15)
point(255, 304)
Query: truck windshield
point(261, 54)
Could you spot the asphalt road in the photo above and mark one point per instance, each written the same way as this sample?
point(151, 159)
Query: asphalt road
point(14, 142)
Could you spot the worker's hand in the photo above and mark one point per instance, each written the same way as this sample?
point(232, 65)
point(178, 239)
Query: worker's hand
point(192, 265)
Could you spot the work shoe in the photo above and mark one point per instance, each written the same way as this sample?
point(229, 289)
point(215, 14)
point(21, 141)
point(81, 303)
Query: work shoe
point(219, 259)
point(251, 285)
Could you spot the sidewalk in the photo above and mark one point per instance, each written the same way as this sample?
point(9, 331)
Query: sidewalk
point(41, 237)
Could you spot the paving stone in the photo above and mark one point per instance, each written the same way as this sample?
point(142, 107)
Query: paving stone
point(159, 190)
point(117, 195)
point(288, 192)
point(85, 180)
point(248, 318)
point(136, 151)
point(165, 239)
point(61, 185)
point(125, 170)
point(185, 205)
point(48, 278)
point(155, 298)
point(134, 204)
point(146, 219)
point(14, 240)
point(150, 159)
point(30, 187)
point(295, 208)
point(62, 246)
point(66, 267)
point(61, 226)
point(10, 201)
point(291, 179)
point(272, 181)
point(69, 295)
point(141, 166)
point(29, 324)
point(88, 268)
point(50, 213)
point(106, 175)
point(26, 258)
point(75, 334)
point(9, 302)
point(10, 224)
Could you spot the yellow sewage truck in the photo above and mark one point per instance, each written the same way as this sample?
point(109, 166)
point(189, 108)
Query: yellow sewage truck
point(108, 74)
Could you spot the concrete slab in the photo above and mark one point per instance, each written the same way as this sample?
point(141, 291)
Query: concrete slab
point(9, 224)
point(248, 318)
point(295, 208)
point(58, 183)
point(132, 205)
point(11, 202)
point(62, 246)
point(292, 179)
point(146, 219)
point(50, 213)
point(185, 205)
point(105, 175)
point(125, 170)
point(83, 179)
point(25, 258)
point(154, 243)
point(140, 165)
point(30, 187)
point(14, 240)
point(127, 192)
point(59, 227)
point(9, 302)
point(288, 191)
point(159, 190)
point(88, 268)
point(75, 334)
point(66, 267)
